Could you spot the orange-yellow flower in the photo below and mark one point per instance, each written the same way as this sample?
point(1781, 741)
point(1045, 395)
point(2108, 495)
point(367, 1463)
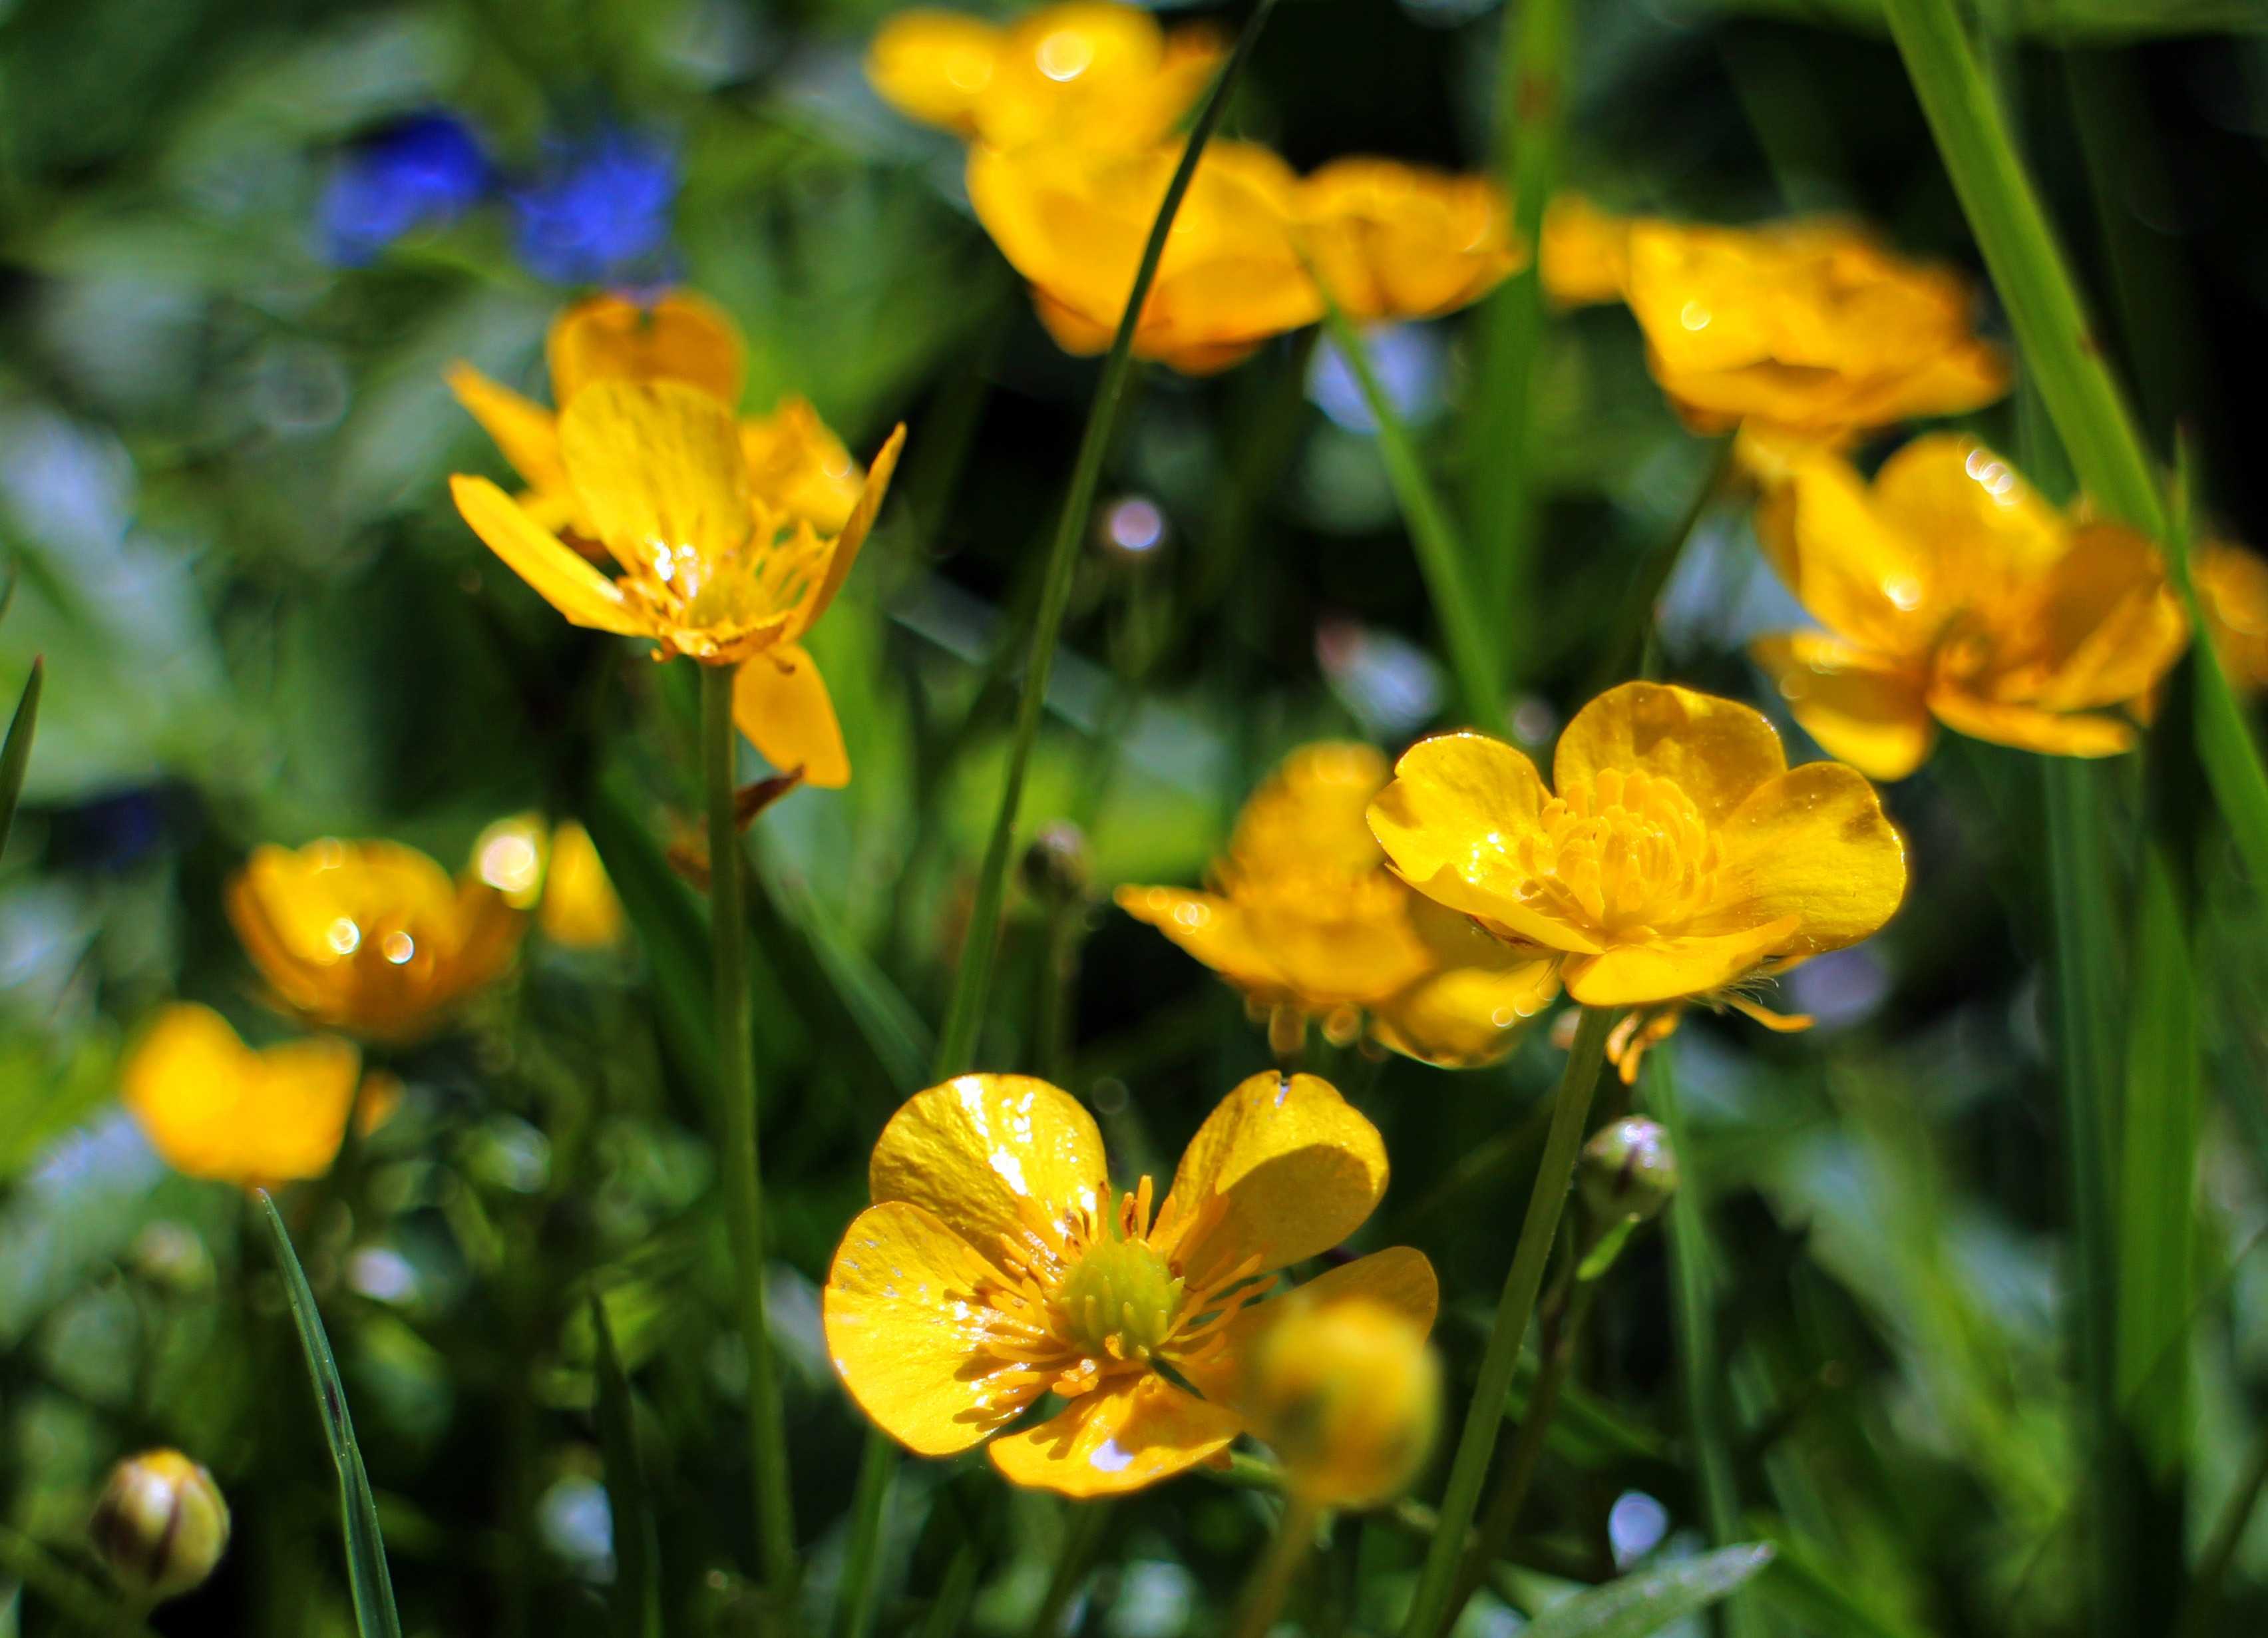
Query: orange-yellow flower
point(1586, 251)
point(1309, 922)
point(1094, 75)
point(1679, 857)
point(712, 566)
point(1348, 1394)
point(1073, 220)
point(1398, 241)
point(999, 1263)
point(371, 937)
point(213, 1107)
point(1951, 593)
point(2232, 586)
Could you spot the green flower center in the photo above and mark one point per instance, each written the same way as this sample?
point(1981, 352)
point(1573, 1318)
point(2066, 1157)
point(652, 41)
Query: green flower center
point(1120, 1301)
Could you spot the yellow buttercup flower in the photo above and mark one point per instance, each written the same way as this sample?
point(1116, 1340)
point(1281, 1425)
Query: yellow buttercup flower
point(1678, 855)
point(1309, 922)
point(1951, 593)
point(1094, 75)
point(1348, 1395)
point(1398, 241)
point(1073, 220)
point(214, 1108)
point(999, 1263)
point(371, 937)
point(2231, 586)
point(712, 568)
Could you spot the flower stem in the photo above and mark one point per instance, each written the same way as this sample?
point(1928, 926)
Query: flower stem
point(1089, 1523)
point(736, 1096)
point(1569, 1111)
point(1263, 1595)
point(876, 1469)
point(975, 972)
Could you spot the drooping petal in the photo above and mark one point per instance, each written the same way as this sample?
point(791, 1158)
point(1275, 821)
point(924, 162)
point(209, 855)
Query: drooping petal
point(909, 1338)
point(682, 338)
point(1666, 970)
point(855, 531)
point(2027, 727)
point(1815, 844)
point(526, 432)
point(780, 701)
point(985, 1153)
point(659, 468)
point(1284, 1168)
point(1715, 750)
point(1129, 1433)
point(1209, 927)
point(1869, 712)
point(551, 567)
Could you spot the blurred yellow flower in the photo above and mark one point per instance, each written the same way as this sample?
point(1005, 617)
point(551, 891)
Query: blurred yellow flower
point(1951, 593)
point(1586, 251)
point(1307, 921)
point(214, 1108)
point(1348, 1395)
point(998, 1264)
point(558, 873)
point(1398, 241)
point(2232, 586)
point(1089, 74)
point(1073, 221)
point(711, 567)
point(1680, 858)
point(371, 937)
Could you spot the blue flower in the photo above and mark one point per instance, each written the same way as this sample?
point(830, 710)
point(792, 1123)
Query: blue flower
point(426, 169)
point(598, 210)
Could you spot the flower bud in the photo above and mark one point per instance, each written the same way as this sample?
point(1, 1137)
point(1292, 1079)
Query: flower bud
point(1054, 866)
point(160, 1526)
point(1629, 1170)
point(1349, 1394)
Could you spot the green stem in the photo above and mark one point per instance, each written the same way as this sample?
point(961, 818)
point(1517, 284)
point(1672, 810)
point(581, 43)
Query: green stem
point(1441, 556)
point(1570, 1108)
point(1090, 1522)
point(2220, 1551)
point(975, 973)
point(876, 1469)
point(1271, 1580)
point(950, 1608)
point(1639, 652)
point(743, 1177)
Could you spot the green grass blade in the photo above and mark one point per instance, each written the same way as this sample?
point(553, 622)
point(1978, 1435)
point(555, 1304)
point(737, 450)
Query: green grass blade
point(637, 1554)
point(669, 924)
point(375, 1616)
point(16, 755)
point(1638, 1607)
point(1441, 556)
point(974, 980)
point(869, 1504)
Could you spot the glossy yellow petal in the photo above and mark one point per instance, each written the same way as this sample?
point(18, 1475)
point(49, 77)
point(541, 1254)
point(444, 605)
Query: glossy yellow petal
point(2029, 727)
point(1868, 581)
point(2108, 626)
point(1715, 750)
point(213, 1108)
point(551, 568)
point(526, 432)
point(1209, 927)
point(936, 67)
point(1869, 712)
point(780, 701)
point(681, 337)
point(910, 1338)
point(580, 908)
point(1400, 241)
point(798, 468)
point(658, 469)
point(1667, 969)
point(1129, 1433)
point(1463, 1017)
point(1093, 76)
point(1983, 531)
point(1283, 1169)
point(988, 1154)
point(844, 551)
point(1815, 844)
point(1586, 251)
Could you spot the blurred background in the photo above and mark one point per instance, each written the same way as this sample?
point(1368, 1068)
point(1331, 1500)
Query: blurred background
point(239, 245)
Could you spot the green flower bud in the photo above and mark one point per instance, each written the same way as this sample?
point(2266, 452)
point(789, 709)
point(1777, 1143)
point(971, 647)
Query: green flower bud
point(1628, 1170)
point(160, 1526)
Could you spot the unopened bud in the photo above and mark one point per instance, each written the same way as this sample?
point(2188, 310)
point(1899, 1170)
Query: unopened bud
point(160, 1526)
point(1349, 1394)
point(1629, 1170)
point(1055, 865)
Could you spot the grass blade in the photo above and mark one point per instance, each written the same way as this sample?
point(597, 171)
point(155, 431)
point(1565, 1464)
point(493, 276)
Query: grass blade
point(637, 1553)
point(1638, 1607)
point(375, 1616)
point(16, 755)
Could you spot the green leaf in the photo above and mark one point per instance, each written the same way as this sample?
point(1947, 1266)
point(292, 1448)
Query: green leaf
point(18, 752)
point(1639, 1606)
point(375, 1616)
point(637, 1555)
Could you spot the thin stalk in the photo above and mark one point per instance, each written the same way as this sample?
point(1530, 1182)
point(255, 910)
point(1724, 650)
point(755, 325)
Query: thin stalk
point(868, 1505)
point(1639, 652)
point(743, 1175)
point(2220, 1550)
point(950, 1607)
point(1271, 1579)
point(1441, 556)
point(976, 974)
point(1090, 1522)
point(1571, 1106)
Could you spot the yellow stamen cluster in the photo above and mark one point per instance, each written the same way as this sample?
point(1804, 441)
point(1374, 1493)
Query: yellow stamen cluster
point(1627, 853)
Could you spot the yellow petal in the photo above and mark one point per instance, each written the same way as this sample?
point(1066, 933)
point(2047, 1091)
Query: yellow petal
point(855, 531)
point(934, 66)
point(1865, 577)
point(1401, 241)
point(580, 909)
point(213, 1108)
point(1586, 251)
point(551, 567)
point(524, 431)
point(2109, 627)
point(909, 1337)
point(1715, 750)
point(1132, 1432)
point(986, 1153)
point(1815, 844)
point(798, 468)
point(658, 469)
point(1293, 1167)
point(1209, 927)
point(1869, 712)
point(1666, 969)
point(1467, 1016)
point(681, 337)
point(780, 701)
point(1399, 1278)
point(2029, 727)
point(2233, 583)
point(1985, 532)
